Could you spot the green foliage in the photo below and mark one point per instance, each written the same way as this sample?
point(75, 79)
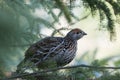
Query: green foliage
point(104, 7)
point(96, 70)
point(19, 28)
point(64, 8)
point(115, 76)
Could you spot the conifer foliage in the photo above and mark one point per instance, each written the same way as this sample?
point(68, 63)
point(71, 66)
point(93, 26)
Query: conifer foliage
point(20, 27)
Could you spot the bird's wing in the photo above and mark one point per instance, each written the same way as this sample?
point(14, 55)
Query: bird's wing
point(43, 47)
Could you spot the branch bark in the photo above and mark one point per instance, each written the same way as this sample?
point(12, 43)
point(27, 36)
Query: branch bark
point(58, 68)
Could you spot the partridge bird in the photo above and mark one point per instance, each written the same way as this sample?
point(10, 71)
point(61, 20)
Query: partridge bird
point(60, 50)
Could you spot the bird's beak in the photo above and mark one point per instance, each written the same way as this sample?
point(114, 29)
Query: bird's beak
point(84, 33)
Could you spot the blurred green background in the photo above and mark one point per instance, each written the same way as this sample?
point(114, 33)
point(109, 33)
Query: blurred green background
point(23, 22)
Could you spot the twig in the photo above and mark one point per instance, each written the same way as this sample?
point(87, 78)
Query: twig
point(59, 68)
point(67, 27)
point(58, 30)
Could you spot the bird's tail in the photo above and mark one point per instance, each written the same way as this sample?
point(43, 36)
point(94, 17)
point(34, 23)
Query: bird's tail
point(20, 66)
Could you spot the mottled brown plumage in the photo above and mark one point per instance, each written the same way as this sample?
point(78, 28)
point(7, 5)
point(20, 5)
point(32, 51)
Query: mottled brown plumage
point(59, 50)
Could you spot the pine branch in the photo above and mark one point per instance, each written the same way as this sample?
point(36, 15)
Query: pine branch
point(64, 8)
point(68, 27)
point(59, 68)
point(108, 9)
point(58, 30)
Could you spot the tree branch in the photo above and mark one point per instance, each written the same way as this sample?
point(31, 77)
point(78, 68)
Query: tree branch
point(58, 68)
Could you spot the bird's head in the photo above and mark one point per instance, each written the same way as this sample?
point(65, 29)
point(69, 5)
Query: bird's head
point(75, 34)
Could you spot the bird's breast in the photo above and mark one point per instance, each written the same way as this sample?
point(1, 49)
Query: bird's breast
point(67, 53)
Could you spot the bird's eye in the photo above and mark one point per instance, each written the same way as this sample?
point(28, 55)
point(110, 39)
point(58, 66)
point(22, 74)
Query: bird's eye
point(77, 32)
